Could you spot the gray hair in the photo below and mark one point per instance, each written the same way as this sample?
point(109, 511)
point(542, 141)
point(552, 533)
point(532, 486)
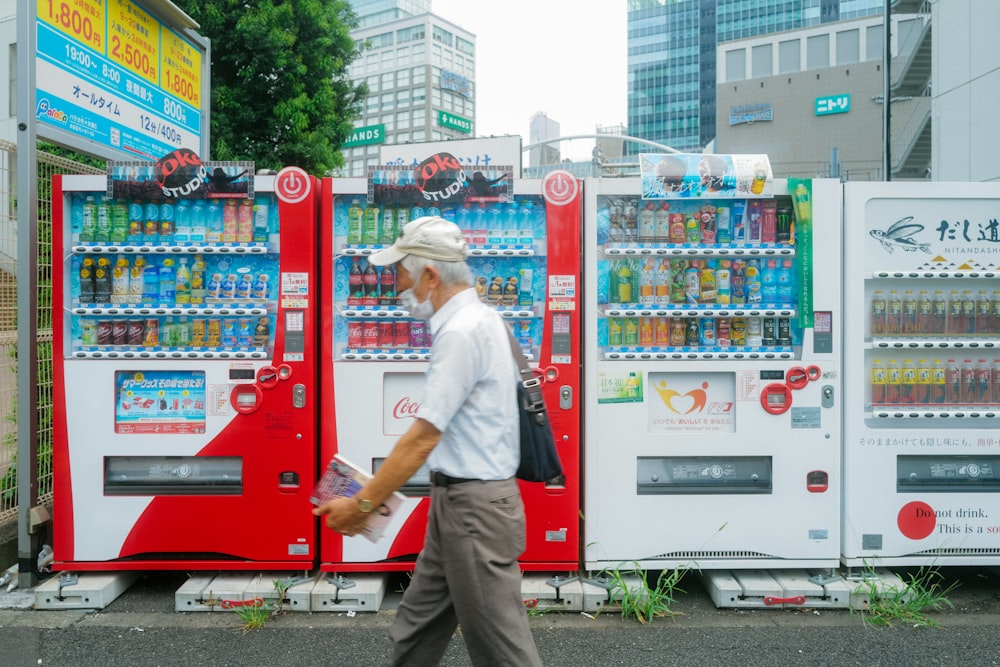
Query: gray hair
point(452, 273)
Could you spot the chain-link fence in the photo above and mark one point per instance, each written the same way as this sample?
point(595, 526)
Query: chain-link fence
point(48, 165)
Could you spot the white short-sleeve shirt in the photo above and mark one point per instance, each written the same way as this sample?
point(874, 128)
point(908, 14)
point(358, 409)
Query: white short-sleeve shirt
point(470, 394)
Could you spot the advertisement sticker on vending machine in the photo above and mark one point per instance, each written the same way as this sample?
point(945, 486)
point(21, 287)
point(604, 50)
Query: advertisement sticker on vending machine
point(185, 367)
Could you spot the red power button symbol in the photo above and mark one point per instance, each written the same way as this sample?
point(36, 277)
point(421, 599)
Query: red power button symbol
point(292, 185)
point(560, 187)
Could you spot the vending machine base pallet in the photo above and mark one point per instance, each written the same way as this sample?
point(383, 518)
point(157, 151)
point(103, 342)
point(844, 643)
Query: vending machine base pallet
point(87, 590)
point(555, 592)
point(782, 589)
point(357, 592)
point(229, 590)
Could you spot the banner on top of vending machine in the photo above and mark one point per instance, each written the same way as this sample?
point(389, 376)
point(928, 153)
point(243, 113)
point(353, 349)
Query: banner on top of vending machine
point(180, 174)
point(439, 181)
point(692, 175)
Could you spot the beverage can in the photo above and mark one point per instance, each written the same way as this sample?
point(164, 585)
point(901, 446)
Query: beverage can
point(119, 332)
point(262, 332)
point(214, 336)
point(738, 332)
point(400, 333)
point(723, 329)
point(386, 334)
point(769, 332)
point(754, 332)
point(244, 331)
point(136, 332)
point(706, 332)
point(151, 334)
point(369, 335)
point(677, 332)
point(692, 332)
point(228, 332)
point(417, 338)
point(355, 332)
point(199, 331)
point(88, 332)
point(104, 332)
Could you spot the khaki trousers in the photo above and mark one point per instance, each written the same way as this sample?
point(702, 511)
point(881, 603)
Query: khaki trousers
point(467, 575)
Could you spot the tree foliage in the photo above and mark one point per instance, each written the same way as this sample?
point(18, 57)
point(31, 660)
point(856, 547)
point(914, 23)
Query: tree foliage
point(281, 94)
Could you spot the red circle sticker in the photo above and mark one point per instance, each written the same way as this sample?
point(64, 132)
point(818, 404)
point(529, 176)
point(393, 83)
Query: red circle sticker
point(560, 187)
point(916, 520)
point(292, 185)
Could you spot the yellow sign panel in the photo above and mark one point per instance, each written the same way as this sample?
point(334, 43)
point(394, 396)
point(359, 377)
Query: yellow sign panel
point(82, 20)
point(134, 39)
point(180, 66)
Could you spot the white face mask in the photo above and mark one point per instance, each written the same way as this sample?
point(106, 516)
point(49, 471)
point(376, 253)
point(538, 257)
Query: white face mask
point(422, 310)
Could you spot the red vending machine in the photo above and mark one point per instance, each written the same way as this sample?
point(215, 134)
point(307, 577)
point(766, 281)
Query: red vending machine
point(524, 239)
point(185, 367)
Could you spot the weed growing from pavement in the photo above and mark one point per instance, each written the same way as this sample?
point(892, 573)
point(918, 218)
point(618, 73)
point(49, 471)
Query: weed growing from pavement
point(636, 598)
point(924, 591)
point(255, 616)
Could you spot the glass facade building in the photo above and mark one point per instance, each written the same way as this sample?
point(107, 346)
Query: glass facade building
point(672, 51)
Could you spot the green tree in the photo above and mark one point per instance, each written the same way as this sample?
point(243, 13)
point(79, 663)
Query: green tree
point(281, 94)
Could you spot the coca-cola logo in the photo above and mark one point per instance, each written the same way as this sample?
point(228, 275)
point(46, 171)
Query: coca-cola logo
point(441, 177)
point(406, 408)
point(179, 172)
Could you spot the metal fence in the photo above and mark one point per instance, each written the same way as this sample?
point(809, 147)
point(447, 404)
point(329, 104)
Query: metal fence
point(48, 165)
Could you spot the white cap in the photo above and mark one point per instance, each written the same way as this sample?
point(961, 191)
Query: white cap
point(431, 237)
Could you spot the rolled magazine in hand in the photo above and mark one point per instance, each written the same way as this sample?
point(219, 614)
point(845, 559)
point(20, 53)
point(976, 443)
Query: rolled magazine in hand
point(343, 479)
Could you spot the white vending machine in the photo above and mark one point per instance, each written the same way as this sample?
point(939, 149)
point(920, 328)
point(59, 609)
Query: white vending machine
point(922, 375)
point(712, 374)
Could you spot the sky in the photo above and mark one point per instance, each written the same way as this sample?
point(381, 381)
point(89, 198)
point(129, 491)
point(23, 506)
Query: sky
point(566, 58)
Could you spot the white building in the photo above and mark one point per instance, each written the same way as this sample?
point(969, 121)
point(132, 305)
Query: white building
point(420, 70)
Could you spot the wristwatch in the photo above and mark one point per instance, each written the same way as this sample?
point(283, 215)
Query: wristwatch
point(366, 506)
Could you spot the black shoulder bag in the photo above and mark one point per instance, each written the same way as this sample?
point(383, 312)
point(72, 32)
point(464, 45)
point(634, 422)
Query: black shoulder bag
point(539, 459)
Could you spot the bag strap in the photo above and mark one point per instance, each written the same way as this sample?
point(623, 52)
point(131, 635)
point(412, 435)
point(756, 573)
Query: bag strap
point(529, 379)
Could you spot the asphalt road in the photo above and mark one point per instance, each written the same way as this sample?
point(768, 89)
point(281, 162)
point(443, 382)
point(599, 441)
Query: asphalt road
point(141, 629)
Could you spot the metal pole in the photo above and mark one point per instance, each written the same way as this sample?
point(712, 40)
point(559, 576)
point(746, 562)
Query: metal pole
point(27, 293)
point(886, 92)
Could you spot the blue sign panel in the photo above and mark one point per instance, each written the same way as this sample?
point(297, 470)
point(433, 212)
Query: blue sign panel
point(833, 104)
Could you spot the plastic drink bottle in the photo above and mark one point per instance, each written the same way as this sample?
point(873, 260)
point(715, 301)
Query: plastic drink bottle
point(182, 282)
point(769, 282)
point(924, 308)
point(387, 286)
point(511, 228)
point(938, 389)
point(102, 231)
point(230, 221)
point(167, 222)
point(878, 382)
point(909, 313)
point(389, 229)
point(939, 313)
point(89, 221)
point(752, 288)
point(494, 225)
point(662, 280)
point(119, 222)
point(136, 281)
point(706, 278)
point(786, 283)
point(692, 282)
point(526, 224)
point(737, 287)
point(647, 283)
point(525, 295)
point(661, 223)
point(894, 314)
point(892, 378)
point(723, 223)
point(355, 283)
point(355, 217)
point(647, 223)
point(968, 383)
point(198, 220)
point(463, 218)
point(907, 382)
point(135, 222)
point(244, 222)
point(120, 278)
point(878, 313)
point(983, 313)
point(983, 392)
point(182, 224)
point(630, 221)
point(624, 276)
point(953, 383)
point(214, 223)
point(923, 388)
point(370, 279)
point(261, 221)
point(198, 279)
point(479, 225)
point(168, 281)
point(968, 312)
point(722, 284)
point(150, 283)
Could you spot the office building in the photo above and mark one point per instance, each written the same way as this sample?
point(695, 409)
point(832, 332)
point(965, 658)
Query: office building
point(672, 56)
point(420, 71)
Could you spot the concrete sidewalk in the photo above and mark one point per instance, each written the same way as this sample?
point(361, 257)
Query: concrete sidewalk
point(141, 628)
